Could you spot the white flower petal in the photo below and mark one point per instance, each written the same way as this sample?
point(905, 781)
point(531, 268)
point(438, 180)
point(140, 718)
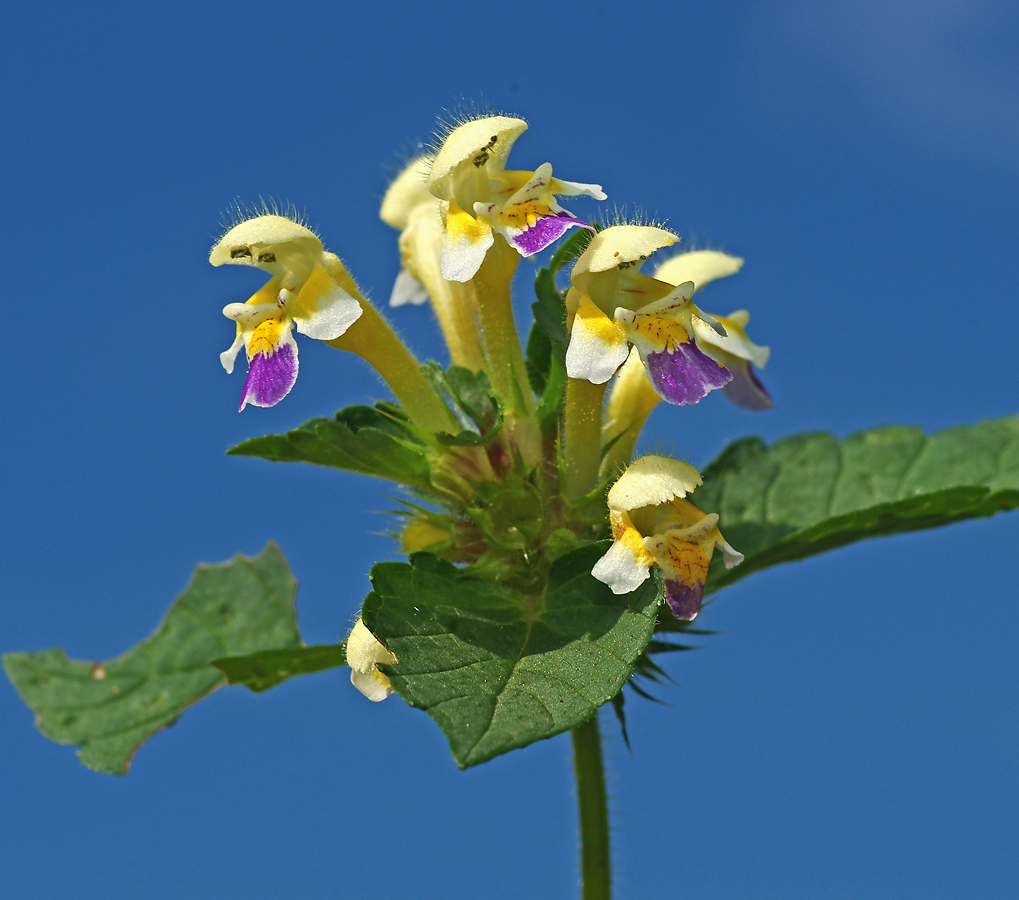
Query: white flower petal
point(364, 650)
point(576, 189)
point(622, 244)
point(735, 340)
point(597, 346)
point(463, 252)
point(485, 142)
point(408, 191)
point(323, 310)
point(261, 236)
point(229, 356)
point(538, 184)
point(335, 314)
point(407, 289)
point(250, 314)
point(364, 653)
point(373, 684)
point(731, 557)
point(621, 569)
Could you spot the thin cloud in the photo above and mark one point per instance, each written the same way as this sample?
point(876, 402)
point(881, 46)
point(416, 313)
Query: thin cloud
point(932, 63)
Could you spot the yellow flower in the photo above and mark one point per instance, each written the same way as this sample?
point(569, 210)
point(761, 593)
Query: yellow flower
point(482, 198)
point(734, 349)
point(612, 305)
point(411, 209)
point(654, 525)
point(365, 653)
point(302, 292)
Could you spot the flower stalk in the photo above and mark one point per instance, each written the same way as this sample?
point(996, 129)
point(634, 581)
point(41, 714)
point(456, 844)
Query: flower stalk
point(511, 486)
point(593, 807)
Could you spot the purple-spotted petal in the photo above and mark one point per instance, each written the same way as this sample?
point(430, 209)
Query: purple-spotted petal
point(684, 600)
point(270, 377)
point(685, 375)
point(746, 389)
point(545, 232)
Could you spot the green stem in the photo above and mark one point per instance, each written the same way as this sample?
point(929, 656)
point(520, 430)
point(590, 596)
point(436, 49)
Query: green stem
point(595, 860)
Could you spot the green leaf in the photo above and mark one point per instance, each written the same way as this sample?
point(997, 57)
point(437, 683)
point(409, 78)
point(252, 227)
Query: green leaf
point(510, 517)
point(553, 396)
point(538, 358)
point(263, 670)
point(497, 669)
point(811, 493)
point(364, 439)
point(546, 348)
point(112, 708)
point(550, 309)
point(472, 394)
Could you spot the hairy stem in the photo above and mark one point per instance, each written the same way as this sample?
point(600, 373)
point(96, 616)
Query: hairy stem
point(595, 860)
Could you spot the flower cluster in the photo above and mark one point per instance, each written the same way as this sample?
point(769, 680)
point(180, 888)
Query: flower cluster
point(515, 457)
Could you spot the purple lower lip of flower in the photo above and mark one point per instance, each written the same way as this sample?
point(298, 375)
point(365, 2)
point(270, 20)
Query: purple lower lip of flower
point(685, 375)
point(746, 389)
point(270, 378)
point(545, 232)
point(684, 600)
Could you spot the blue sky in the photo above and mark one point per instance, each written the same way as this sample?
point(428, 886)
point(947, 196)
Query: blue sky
point(854, 731)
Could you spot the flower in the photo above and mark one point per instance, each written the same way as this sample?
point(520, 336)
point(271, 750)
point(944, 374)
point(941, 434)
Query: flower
point(411, 209)
point(734, 350)
point(481, 198)
point(612, 305)
point(654, 525)
point(364, 653)
point(303, 291)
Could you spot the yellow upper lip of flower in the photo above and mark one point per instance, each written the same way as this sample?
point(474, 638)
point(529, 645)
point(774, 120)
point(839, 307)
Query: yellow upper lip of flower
point(622, 244)
point(260, 236)
point(652, 480)
point(408, 191)
point(488, 139)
